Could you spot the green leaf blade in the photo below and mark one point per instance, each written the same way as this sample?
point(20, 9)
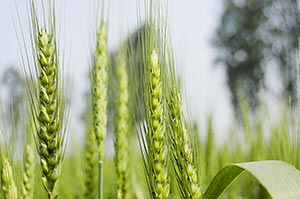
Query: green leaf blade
point(281, 180)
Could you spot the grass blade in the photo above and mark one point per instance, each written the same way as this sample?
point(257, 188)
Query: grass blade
point(280, 179)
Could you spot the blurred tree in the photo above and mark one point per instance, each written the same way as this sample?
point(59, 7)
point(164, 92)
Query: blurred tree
point(12, 85)
point(252, 35)
point(13, 107)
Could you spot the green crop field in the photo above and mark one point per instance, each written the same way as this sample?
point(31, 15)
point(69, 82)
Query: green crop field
point(136, 98)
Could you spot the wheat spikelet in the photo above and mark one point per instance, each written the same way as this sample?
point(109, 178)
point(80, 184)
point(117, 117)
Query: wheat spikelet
point(99, 96)
point(122, 130)
point(156, 138)
point(28, 173)
point(49, 124)
point(181, 149)
point(8, 185)
point(100, 87)
point(90, 181)
point(45, 89)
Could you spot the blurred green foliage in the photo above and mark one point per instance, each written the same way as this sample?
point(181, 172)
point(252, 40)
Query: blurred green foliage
point(253, 35)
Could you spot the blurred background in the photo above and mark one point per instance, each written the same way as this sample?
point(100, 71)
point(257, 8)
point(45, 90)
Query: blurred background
point(226, 51)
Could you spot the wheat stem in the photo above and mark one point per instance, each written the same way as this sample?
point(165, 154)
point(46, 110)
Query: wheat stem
point(100, 177)
point(99, 97)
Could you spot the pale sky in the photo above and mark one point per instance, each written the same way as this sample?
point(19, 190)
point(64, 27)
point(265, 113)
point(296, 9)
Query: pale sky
point(192, 26)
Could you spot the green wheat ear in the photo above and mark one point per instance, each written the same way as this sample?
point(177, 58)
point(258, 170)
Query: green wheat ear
point(181, 148)
point(99, 96)
point(122, 129)
point(47, 105)
point(90, 181)
point(156, 137)
point(100, 87)
point(28, 175)
point(49, 126)
point(8, 185)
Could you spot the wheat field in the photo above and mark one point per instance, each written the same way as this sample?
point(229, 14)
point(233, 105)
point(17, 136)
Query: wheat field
point(136, 99)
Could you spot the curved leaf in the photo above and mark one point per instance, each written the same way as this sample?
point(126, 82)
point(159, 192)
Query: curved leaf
point(280, 179)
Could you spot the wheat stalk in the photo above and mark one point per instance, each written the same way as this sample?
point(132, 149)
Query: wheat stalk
point(99, 96)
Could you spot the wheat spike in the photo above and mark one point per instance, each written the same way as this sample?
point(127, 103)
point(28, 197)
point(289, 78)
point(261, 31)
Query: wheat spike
point(49, 126)
point(181, 149)
point(122, 130)
point(99, 96)
point(90, 181)
point(28, 173)
point(156, 137)
point(8, 185)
